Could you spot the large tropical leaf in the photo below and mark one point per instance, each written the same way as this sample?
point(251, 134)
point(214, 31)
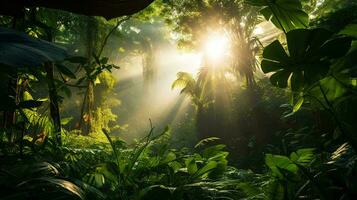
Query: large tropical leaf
point(20, 50)
point(106, 8)
point(308, 58)
point(303, 157)
point(278, 163)
point(285, 14)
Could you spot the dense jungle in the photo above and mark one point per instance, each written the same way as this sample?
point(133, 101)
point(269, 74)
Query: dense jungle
point(178, 99)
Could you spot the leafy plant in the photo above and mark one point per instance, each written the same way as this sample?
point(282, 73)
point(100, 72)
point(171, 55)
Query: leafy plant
point(308, 59)
point(285, 14)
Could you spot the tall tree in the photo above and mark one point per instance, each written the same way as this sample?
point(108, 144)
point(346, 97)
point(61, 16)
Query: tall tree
point(193, 20)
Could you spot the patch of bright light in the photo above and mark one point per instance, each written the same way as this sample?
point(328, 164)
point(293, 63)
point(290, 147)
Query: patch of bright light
point(216, 47)
point(258, 30)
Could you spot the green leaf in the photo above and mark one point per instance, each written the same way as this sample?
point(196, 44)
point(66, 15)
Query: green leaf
point(303, 156)
point(307, 59)
point(211, 165)
point(280, 78)
point(277, 162)
point(191, 165)
point(65, 121)
point(30, 104)
point(104, 60)
point(284, 14)
point(205, 141)
point(298, 104)
point(64, 70)
point(350, 30)
point(275, 51)
point(213, 150)
point(20, 50)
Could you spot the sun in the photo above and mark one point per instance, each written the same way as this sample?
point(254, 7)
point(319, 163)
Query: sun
point(216, 47)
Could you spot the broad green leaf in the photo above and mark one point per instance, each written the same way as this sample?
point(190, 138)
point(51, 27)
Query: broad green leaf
point(280, 78)
point(302, 156)
point(284, 14)
point(333, 88)
point(275, 51)
point(309, 57)
point(20, 50)
point(64, 70)
point(350, 30)
point(211, 165)
point(277, 162)
point(170, 157)
point(213, 151)
point(191, 165)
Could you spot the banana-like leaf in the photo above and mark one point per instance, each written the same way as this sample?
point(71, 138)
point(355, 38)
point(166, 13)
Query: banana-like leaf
point(19, 50)
point(106, 8)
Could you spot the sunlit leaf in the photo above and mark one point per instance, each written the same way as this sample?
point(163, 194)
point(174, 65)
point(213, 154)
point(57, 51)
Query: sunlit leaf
point(298, 104)
point(284, 14)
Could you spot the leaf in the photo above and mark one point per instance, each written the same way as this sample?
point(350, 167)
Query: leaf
point(54, 182)
point(333, 88)
point(298, 104)
point(20, 50)
point(171, 156)
point(78, 59)
point(284, 14)
point(307, 60)
point(274, 52)
point(350, 30)
point(213, 150)
point(104, 60)
point(211, 165)
point(191, 165)
point(64, 70)
point(30, 104)
point(205, 141)
point(277, 162)
point(336, 47)
point(115, 153)
point(65, 121)
point(303, 156)
point(97, 80)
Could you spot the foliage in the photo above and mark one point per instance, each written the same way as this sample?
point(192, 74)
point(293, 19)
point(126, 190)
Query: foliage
point(285, 14)
point(310, 52)
point(305, 149)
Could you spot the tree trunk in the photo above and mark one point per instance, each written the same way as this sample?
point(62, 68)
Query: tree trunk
point(85, 123)
point(54, 108)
